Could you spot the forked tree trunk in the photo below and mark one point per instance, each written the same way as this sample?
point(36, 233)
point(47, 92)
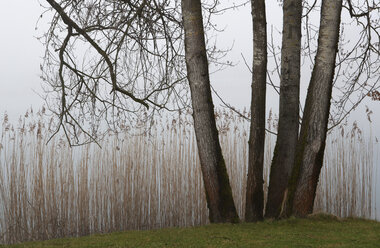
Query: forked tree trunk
point(287, 134)
point(255, 194)
point(311, 144)
point(217, 186)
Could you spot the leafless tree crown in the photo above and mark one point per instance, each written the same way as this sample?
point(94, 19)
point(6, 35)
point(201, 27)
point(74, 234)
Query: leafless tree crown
point(108, 59)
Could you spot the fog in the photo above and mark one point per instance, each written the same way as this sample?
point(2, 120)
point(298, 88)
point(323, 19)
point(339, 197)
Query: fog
point(21, 54)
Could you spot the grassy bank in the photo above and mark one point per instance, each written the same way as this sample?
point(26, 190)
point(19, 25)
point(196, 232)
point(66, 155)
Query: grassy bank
point(317, 231)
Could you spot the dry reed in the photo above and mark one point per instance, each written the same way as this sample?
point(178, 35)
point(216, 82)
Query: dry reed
point(147, 181)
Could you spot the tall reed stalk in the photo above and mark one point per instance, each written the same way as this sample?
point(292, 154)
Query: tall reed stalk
point(147, 181)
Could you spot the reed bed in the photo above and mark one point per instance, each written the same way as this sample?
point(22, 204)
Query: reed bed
point(349, 173)
point(146, 181)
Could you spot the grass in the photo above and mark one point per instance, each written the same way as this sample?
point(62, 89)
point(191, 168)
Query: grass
point(317, 231)
point(139, 182)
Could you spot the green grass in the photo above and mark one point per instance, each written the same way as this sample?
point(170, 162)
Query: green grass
point(317, 231)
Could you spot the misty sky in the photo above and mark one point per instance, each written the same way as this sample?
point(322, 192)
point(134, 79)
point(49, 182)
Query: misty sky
point(21, 54)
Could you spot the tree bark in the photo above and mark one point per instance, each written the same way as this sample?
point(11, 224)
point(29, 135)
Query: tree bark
point(287, 134)
point(255, 194)
point(311, 144)
point(217, 186)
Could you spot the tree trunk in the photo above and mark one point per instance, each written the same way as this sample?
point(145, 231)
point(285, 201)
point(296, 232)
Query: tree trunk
point(287, 134)
point(217, 186)
point(255, 195)
point(311, 145)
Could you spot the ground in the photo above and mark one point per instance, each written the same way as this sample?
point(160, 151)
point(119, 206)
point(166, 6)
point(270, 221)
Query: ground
point(315, 231)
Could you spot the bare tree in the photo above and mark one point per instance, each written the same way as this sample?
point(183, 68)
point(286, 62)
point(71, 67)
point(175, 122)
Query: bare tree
point(311, 144)
point(288, 124)
point(255, 194)
point(356, 74)
point(134, 63)
point(112, 62)
point(218, 190)
point(358, 59)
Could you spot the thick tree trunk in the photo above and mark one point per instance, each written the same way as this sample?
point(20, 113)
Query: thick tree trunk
point(311, 144)
point(218, 190)
point(255, 195)
point(287, 134)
